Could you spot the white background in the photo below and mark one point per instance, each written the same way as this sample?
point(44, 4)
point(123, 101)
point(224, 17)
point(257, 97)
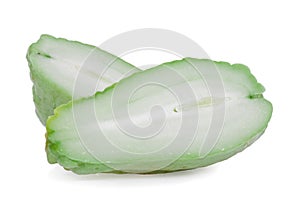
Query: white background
point(263, 35)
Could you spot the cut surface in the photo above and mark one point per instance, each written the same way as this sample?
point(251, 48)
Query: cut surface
point(179, 115)
point(62, 69)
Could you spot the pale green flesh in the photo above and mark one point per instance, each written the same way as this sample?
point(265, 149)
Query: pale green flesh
point(77, 145)
point(62, 70)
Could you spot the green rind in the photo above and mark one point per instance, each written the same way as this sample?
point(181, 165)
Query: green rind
point(186, 162)
point(47, 95)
